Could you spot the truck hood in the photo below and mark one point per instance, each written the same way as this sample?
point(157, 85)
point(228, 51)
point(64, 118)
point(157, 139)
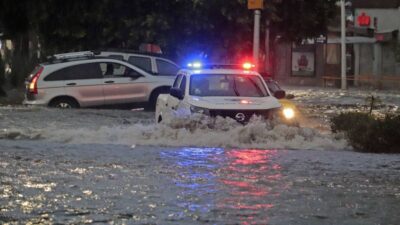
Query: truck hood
point(235, 103)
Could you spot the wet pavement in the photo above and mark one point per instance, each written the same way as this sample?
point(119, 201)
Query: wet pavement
point(45, 182)
point(91, 166)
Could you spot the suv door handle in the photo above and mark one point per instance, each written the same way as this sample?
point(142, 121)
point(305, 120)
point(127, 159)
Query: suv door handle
point(71, 84)
point(109, 82)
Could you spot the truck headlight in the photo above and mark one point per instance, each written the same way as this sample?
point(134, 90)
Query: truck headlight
point(288, 113)
point(196, 109)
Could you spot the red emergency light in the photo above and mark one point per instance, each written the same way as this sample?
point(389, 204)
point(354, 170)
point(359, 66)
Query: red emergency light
point(248, 66)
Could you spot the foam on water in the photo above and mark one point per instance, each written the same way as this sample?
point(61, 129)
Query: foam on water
point(196, 131)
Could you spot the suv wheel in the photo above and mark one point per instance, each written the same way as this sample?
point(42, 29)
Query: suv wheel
point(151, 105)
point(64, 103)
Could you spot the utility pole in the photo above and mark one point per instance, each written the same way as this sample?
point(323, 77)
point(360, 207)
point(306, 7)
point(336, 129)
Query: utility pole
point(343, 43)
point(256, 37)
point(256, 5)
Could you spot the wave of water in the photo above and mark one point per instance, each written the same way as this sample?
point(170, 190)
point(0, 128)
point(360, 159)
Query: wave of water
point(196, 131)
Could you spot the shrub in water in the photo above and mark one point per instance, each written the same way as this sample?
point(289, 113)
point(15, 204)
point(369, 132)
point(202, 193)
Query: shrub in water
point(368, 134)
point(389, 129)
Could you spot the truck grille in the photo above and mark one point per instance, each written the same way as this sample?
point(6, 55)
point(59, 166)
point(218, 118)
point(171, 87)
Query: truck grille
point(241, 116)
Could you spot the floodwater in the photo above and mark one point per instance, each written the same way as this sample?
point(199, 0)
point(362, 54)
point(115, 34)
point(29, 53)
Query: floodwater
point(49, 183)
point(118, 167)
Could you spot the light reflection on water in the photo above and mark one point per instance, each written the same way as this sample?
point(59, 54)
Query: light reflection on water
point(114, 184)
point(195, 173)
point(235, 183)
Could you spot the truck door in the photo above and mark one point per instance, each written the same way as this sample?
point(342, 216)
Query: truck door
point(174, 103)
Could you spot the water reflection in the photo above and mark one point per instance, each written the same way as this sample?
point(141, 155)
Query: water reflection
point(249, 178)
point(238, 185)
point(194, 172)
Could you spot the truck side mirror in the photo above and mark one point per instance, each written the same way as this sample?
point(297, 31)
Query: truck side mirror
point(279, 94)
point(177, 93)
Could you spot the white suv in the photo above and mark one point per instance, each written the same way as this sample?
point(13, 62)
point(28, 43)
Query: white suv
point(80, 79)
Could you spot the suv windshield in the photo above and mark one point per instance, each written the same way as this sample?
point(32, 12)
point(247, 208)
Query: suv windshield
point(227, 85)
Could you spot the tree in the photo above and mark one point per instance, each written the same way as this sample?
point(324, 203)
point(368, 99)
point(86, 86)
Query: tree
point(219, 29)
point(2, 78)
point(16, 18)
point(298, 19)
point(208, 27)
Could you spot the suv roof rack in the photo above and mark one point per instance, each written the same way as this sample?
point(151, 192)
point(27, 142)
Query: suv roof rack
point(98, 51)
point(63, 57)
point(73, 55)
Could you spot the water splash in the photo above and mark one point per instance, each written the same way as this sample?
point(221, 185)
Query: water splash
point(195, 131)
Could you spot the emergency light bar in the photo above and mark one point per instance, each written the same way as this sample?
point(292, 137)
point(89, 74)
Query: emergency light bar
point(248, 66)
point(197, 65)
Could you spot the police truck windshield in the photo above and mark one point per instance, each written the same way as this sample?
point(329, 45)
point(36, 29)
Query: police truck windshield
point(206, 85)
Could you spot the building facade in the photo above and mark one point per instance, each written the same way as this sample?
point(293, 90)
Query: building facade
point(372, 50)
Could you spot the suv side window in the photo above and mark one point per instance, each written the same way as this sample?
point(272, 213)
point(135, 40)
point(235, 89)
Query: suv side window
point(117, 70)
point(119, 57)
point(76, 72)
point(58, 75)
point(166, 68)
point(141, 62)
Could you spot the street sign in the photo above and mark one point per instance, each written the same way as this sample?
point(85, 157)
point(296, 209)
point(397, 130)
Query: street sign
point(321, 39)
point(255, 4)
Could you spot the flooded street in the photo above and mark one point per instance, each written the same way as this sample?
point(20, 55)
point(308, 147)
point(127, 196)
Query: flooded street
point(55, 183)
point(196, 112)
point(92, 166)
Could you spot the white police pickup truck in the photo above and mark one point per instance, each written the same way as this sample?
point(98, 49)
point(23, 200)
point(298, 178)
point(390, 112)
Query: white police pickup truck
point(219, 90)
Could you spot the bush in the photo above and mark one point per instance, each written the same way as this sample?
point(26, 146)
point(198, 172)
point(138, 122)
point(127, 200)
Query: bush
point(368, 134)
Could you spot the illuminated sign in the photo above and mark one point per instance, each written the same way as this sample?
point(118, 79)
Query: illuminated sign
point(364, 20)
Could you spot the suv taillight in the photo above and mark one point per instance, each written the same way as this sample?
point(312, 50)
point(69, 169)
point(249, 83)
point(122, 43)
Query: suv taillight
point(33, 79)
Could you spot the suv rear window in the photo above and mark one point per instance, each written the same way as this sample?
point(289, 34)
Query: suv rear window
point(166, 68)
point(34, 72)
point(141, 62)
point(77, 72)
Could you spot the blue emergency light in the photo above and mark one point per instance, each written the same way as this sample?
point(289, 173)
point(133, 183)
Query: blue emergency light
point(195, 65)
